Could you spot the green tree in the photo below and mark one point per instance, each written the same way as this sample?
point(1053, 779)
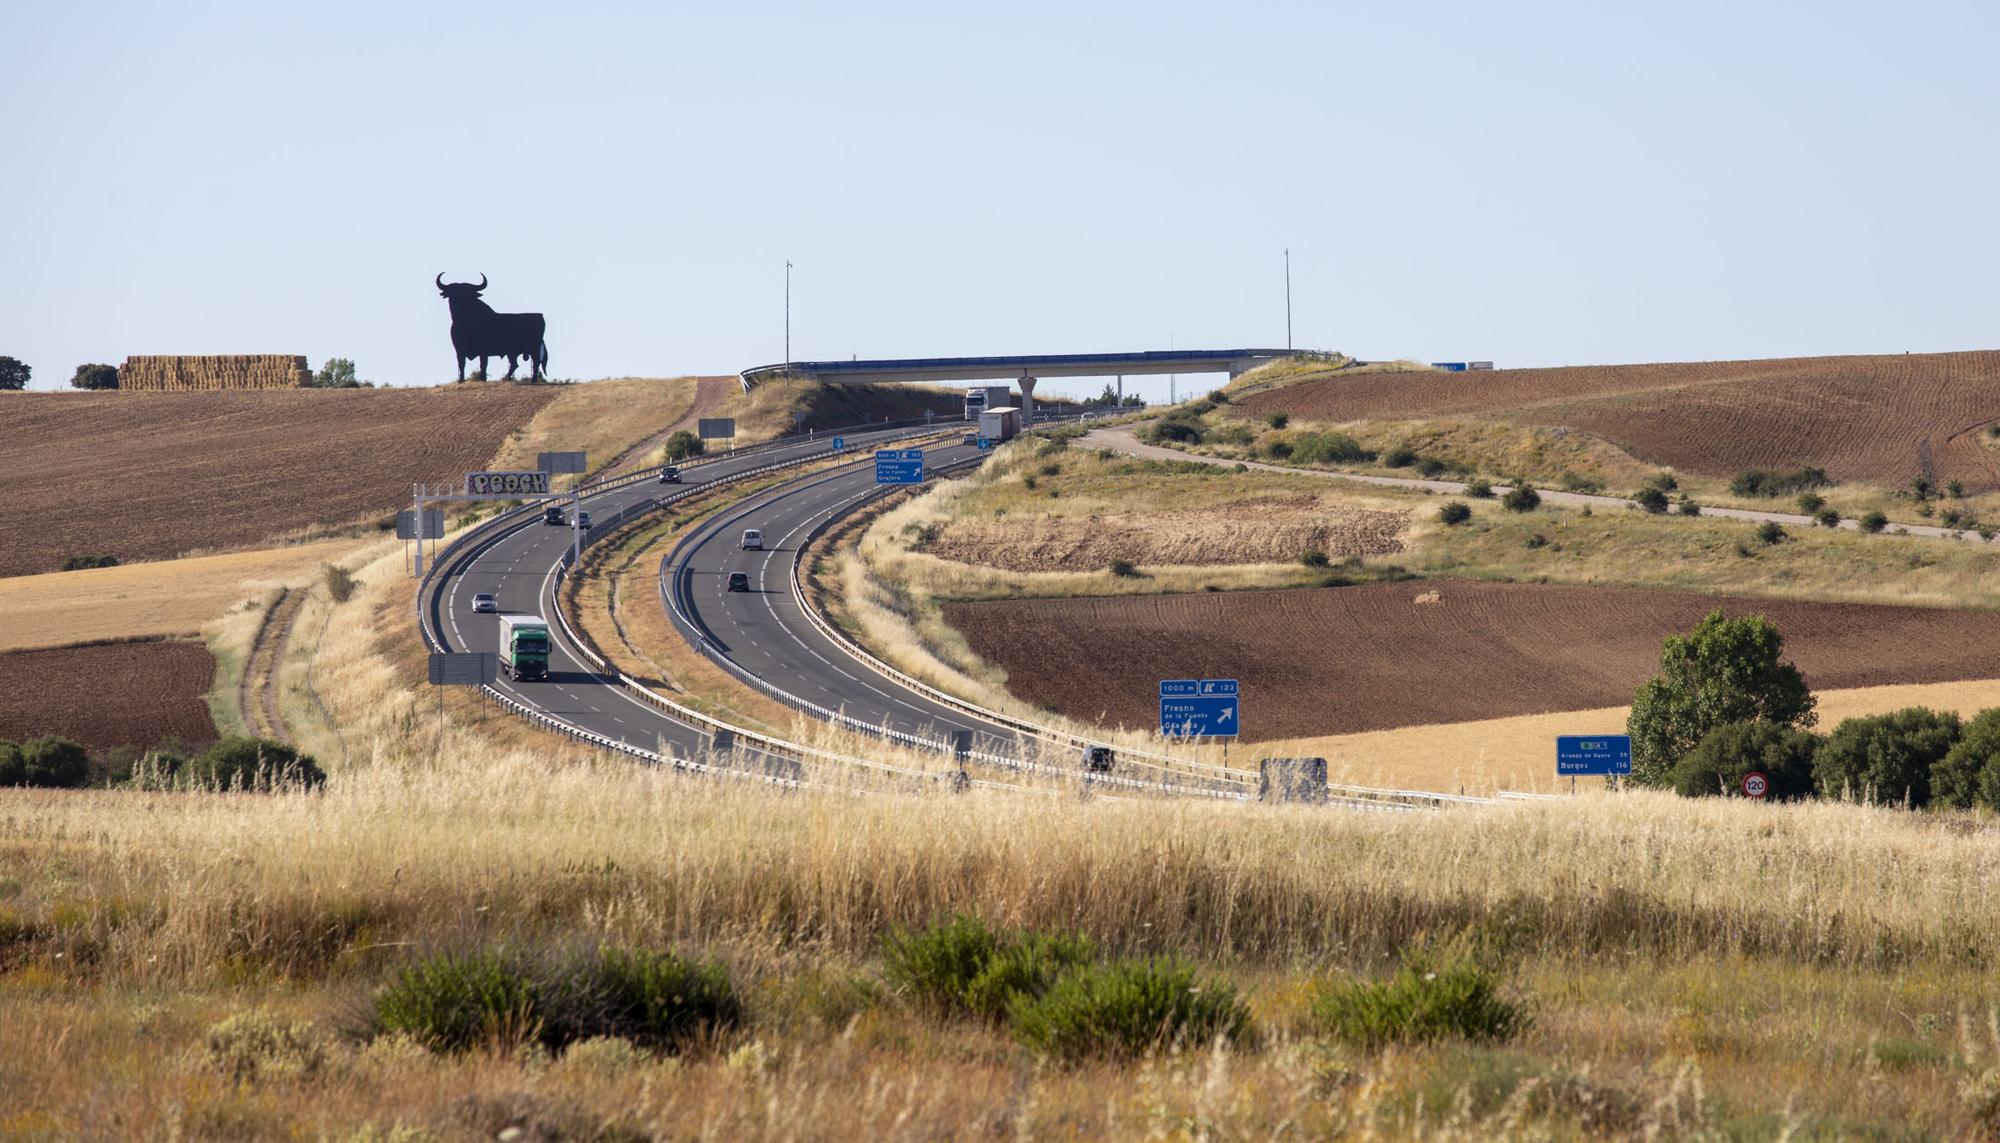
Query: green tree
point(1726, 670)
point(1969, 773)
point(1886, 758)
point(54, 762)
point(336, 373)
point(237, 763)
point(683, 444)
point(1727, 753)
point(95, 377)
point(13, 373)
point(13, 772)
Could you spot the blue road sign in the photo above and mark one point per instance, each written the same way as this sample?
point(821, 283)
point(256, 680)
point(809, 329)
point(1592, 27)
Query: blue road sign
point(985, 442)
point(1199, 708)
point(839, 444)
point(899, 466)
point(1578, 754)
point(1449, 366)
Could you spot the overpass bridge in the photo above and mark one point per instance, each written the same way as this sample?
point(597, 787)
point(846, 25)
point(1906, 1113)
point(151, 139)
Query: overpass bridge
point(1023, 370)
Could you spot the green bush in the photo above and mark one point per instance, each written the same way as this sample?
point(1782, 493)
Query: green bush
point(653, 999)
point(1314, 558)
point(95, 377)
point(339, 583)
point(13, 772)
point(1124, 569)
point(457, 1003)
point(1174, 429)
point(238, 763)
point(1402, 456)
point(1127, 1008)
point(1653, 500)
point(682, 444)
point(54, 763)
point(14, 373)
point(1427, 999)
point(1887, 757)
point(1969, 773)
point(1454, 512)
point(1329, 448)
point(1725, 670)
point(337, 373)
point(1522, 498)
point(1688, 507)
point(1480, 489)
point(1954, 489)
point(1770, 532)
point(1664, 481)
point(1827, 518)
point(260, 1044)
point(1874, 522)
point(1277, 420)
point(937, 965)
point(1810, 502)
point(1278, 450)
point(1760, 483)
point(84, 563)
point(1026, 968)
point(1717, 766)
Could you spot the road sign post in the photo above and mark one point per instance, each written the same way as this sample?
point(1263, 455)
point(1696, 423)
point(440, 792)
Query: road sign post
point(1609, 755)
point(461, 669)
point(1199, 708)
point(840, 444)
point(1756, 784)
point(559, 463)
point(899, 466)
point(717, 429)
point(505, 484)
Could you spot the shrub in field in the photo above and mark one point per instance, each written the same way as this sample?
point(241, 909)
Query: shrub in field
point(1717, 766)
point(1277, 420)
point(1026, 967)
point(653, 999)
point(14, 373)
point(1664, 481)
point(1401, 456)
point(1770, 532)
point(55, 763)
point(1481, 489)
point(1874, 522)
point(1174, 429)
point(937, 965)
point(1278, 450)
point(238, 763)
point(1827, 518)
point(1431, 467)
point(13, 772)
point(84, 563)
point(1886, 757)
point(1760, 483)
point(1969, 773)
point(457, 1003)
point(261, 1044)
point(95, 377)
point(1124, 569)
point(1329, 448)
point(1954, 489)
point(1725, 670)
point(1522, 498)
point(1652, 499)
point(1427, 999)
point(1313, 558)
point(339, 584)
point(1810, 502)
point(1454, 512)
point(1687, 506)
point(1922, 488)
point(682, 444)
point(1127, 1008)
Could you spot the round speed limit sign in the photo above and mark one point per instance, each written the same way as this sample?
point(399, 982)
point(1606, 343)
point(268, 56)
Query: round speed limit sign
point(1755, 785)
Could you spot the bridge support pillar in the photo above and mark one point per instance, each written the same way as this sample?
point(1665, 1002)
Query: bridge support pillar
point(1027, 401)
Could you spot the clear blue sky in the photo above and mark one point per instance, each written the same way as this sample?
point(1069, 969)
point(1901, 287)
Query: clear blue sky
point(1533, 183)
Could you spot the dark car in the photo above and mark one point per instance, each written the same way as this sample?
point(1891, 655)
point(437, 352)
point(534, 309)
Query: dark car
point(583, 520)
point(739, 581)
point(670, 475)
point(553, 515)
point(972, 439)
point(1098, 759)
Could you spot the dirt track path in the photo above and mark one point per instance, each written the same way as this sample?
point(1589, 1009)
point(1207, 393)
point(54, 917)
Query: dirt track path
point(710, 394)
point(257, 694)
point(1122, 439)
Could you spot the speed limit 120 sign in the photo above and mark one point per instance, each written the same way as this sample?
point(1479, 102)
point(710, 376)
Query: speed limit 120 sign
point(507, 484)
point(1755, 785)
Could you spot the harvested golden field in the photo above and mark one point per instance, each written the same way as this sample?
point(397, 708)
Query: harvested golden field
point(1882, 420)
point(168, 598)
point(1256, 530)
point(1341, 660)
point(607, 420)
point(108, 694)
point(150, 476)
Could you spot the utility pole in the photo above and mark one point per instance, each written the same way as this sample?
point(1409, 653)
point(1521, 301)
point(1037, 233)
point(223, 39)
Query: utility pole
point(1288, 297)
point(788, 313)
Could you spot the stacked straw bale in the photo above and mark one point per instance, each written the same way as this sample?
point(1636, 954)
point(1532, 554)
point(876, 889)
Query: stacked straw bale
point(216, 371)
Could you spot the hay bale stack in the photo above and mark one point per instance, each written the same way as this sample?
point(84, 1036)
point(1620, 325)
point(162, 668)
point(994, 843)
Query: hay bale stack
point(215, 371)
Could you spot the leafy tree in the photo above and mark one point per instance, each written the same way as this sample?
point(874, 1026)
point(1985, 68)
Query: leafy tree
point(95, 377)
point(1726, 670)
point(1969, 773)
point(1728, 752)
point(13, 772)
point(1652, 499)
point(13, 373)
point(683, 444)
point(1886, 758)
point(237, 763)
point(54, 762)
point(1874, 522)
point(336, 373)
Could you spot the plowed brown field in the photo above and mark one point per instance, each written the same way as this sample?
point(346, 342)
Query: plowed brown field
point(1881, 420)
point(111, 694)
point(1340, 660)
point(147, 476)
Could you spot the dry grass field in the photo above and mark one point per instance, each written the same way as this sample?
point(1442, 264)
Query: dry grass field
point(108, 694)
point(607, 420)
point(1692, 969)
point(151, 476)
point(1875, 420)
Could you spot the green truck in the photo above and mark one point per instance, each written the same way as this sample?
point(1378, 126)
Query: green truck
point(524, 646)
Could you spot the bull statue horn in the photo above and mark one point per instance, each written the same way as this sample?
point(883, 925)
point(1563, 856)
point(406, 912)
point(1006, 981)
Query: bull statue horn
point(440, 281)
point(482, 281)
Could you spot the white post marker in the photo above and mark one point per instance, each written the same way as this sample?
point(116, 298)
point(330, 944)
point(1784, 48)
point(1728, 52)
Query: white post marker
point(1756, 784)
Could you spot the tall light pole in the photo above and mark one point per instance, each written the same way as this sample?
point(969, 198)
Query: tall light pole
point(1288, 297)
point(788, 313)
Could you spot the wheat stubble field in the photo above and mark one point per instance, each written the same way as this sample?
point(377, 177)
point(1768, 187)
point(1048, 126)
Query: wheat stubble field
point(1879, 420)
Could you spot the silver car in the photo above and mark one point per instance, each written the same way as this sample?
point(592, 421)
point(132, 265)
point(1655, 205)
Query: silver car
point(486, 601)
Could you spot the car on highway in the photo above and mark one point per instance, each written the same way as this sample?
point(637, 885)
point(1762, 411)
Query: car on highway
point(670, 475)
point(486, 601)
point(1098, 759)
point(553, 515)
point(583, 519)
point(753, 540)
point(972, 439)
point(738, 581)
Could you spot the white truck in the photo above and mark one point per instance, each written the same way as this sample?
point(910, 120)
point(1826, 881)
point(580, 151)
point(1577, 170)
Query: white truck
point(524, 646)
point(998, 425)
point(981, 398)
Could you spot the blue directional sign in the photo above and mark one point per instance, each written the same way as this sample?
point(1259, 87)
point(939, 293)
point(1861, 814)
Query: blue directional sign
point(839, 444)
point(899, 466)
point(1199, 708)
point(1578, 754)
point(985, 442)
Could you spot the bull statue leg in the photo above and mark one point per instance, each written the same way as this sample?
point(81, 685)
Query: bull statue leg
point(482, 367)
point(513, 363)
point(461, 367)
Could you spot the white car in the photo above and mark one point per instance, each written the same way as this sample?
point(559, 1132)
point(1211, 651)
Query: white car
point(486, 601)
point(753, 540)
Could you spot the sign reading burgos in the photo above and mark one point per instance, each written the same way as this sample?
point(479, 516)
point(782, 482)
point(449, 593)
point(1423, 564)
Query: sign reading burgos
point(506, 484)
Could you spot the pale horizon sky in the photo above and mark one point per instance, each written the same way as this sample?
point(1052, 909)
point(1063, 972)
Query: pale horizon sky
point(1536, 184)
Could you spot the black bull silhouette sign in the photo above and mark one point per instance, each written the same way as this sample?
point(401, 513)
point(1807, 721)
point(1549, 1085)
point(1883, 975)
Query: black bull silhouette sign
point(476, 331)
